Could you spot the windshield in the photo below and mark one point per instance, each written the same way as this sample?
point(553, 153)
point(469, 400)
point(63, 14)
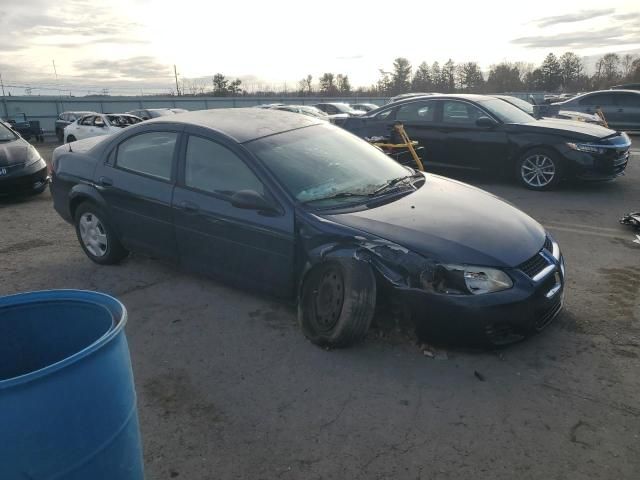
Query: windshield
point(316, 112)
point(323, 161)
point(506, 112)
point(6, 134)
point(160, 113)
point(521, 104)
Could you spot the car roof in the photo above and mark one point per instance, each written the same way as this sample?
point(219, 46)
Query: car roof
point(610, 91)
point(242, 124)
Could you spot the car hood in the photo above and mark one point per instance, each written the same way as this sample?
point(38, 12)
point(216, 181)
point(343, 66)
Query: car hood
point(13, 152)
point(567, 128)
point(452, 222)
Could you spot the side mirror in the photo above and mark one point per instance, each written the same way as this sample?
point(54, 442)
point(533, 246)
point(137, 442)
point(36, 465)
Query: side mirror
point(251, 200)
point(486, 122)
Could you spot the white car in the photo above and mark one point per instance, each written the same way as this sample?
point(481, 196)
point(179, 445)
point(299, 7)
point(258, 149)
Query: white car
point(98, 124)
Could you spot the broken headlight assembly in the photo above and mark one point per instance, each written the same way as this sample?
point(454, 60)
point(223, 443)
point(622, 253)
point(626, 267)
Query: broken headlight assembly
point(454, 279)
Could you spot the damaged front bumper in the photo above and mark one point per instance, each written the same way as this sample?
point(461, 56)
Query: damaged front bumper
point(498, 318)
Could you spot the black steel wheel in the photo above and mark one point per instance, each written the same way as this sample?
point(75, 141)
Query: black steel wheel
point(337, 302)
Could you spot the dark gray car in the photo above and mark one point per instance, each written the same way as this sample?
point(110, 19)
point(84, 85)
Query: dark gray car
point(621, 108)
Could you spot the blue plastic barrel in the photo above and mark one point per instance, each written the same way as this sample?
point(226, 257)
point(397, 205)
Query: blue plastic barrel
point(67, 399)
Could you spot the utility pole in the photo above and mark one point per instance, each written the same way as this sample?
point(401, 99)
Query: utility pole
point(4, 98)
point(175, 73)
point(55, 72)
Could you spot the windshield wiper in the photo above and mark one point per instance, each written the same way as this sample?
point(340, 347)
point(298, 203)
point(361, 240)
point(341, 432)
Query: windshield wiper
point(337, 195)
point(393, 182)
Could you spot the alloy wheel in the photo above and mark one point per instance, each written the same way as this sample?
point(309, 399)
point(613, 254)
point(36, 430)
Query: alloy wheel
point(538, 170)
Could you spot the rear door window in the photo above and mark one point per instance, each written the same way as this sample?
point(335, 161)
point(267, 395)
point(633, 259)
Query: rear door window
point(417, 112)
point(148, 153)
point(597, 99)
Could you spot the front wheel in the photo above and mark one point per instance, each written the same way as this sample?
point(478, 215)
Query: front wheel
point(539, 169)
point(96, 235)
point(337, 302)
point(71, 138)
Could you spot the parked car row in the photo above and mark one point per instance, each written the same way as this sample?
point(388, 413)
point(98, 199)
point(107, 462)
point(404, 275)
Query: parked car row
point(75, 125)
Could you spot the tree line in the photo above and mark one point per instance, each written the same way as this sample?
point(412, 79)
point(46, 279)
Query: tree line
point(565, 73)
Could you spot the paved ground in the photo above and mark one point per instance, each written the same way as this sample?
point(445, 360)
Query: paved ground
point(229, 388)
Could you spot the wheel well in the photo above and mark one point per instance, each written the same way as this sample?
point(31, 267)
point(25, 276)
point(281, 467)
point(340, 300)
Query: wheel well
point(75, 203)
point(379, 279)
point(519, 153)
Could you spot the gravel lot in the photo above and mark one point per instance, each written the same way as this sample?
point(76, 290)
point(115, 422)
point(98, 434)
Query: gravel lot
point(229, 388)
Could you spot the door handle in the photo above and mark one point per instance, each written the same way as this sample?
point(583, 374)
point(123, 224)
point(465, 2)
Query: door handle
point(105, 182)
point(188, 207)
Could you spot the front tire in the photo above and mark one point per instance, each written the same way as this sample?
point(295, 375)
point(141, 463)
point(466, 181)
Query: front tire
point(96, 235)
point(71, 138)
point(337, 303)
point(539, 169)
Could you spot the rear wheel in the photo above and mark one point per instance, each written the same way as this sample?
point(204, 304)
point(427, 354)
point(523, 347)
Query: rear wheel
point(337, 303)
point(71, 138)
point(96, 235)
point(539, 169)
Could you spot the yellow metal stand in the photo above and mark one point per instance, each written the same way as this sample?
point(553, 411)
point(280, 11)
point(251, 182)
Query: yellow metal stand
point(407, 143)
point(600, 113)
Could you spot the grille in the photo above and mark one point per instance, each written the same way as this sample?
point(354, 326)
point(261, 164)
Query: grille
point(547, 316)
point(548, 245)
point(534, 265)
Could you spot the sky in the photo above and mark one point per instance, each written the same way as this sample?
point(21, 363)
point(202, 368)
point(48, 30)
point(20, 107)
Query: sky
point(132, 45)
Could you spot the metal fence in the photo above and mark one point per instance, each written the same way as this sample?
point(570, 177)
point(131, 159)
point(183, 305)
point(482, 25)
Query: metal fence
point(47, 109)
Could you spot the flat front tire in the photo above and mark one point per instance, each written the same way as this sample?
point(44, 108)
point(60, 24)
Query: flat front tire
point(96, 235)
point(337, 302)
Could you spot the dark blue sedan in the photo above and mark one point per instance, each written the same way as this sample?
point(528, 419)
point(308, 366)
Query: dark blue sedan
point(293, 206)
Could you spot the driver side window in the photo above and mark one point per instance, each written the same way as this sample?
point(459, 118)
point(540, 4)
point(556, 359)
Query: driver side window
point(213, 168)
point(86, 120)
